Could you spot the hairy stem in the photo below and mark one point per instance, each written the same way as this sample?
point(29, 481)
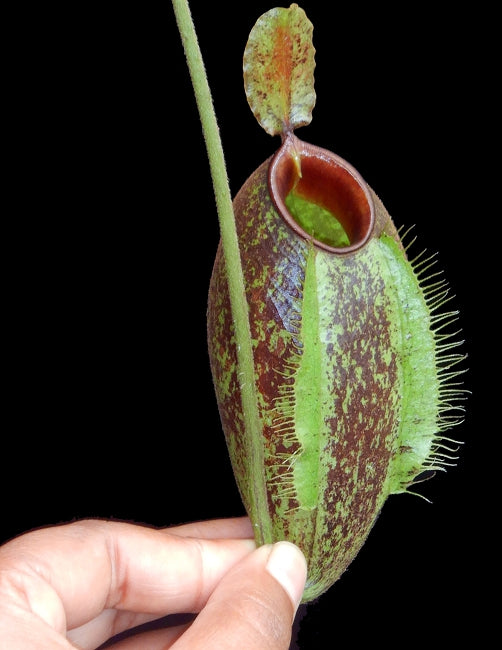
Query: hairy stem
point(229, 242)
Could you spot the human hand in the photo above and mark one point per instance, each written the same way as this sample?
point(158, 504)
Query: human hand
point(77, 585)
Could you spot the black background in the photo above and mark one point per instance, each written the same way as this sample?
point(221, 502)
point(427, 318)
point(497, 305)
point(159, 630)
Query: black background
point(109, 407)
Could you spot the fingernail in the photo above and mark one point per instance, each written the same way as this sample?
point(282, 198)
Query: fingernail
point(286, 563)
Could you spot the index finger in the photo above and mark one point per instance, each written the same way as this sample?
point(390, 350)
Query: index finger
point(94, 565)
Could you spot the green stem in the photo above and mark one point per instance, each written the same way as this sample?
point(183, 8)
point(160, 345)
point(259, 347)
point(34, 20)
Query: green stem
point(229, 242)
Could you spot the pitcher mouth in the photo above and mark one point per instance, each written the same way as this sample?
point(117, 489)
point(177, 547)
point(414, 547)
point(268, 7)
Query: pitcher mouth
point(342, 208)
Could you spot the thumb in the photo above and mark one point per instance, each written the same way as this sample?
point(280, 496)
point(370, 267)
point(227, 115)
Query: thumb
point(254, 604)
